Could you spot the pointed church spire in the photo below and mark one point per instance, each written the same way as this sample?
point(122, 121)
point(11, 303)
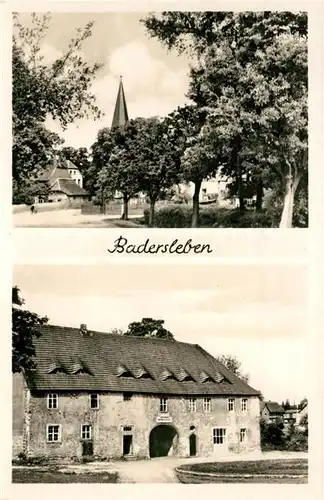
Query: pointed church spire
point(120, 114)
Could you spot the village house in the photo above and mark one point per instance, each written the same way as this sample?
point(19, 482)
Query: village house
point(271, 411)
point(113, 396)
point(66, 184)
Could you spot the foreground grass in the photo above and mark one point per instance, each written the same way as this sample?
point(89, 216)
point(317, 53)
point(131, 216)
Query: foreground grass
point(258, 471)
point(46, 476)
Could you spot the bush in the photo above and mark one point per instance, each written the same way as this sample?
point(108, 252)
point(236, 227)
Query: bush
point(298, 441)
point(176, 215)
point(180, 216)
point(272, 435)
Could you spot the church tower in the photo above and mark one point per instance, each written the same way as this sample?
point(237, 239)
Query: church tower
point(120, 114)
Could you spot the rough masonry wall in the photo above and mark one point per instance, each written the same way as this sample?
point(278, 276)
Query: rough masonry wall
point(142, 413)
point(18, 393)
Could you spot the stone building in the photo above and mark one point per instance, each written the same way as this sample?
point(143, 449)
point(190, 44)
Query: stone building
point(113, 396)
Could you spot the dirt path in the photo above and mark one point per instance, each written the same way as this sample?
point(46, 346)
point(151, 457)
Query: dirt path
point(162, 470)
point(69, 218)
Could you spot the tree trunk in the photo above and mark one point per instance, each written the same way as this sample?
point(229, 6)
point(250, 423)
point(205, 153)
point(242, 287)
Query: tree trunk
point(287, 212)
point(125, 208)
point(259, 196)
point(195, 205)
point(239, 183)
point(152, 213)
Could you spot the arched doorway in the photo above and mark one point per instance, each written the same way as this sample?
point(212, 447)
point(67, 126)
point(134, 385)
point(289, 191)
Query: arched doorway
point(163, 441)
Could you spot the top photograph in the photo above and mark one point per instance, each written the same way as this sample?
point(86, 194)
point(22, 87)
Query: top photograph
point(160, 120)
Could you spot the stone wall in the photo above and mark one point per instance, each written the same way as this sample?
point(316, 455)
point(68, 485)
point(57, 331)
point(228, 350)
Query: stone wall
point(142, 414)
point(18, 395)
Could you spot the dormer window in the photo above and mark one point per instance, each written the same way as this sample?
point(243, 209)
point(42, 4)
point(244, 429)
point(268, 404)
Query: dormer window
point(205, 377)
point(79, 368)
point(141, 372)
point(123, 371)
point(183, 375)
point(219, 377)
point(167, 375)
point(56, 367)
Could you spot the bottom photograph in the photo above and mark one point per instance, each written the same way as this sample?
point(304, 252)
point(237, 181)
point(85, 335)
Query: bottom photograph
point(159, 374)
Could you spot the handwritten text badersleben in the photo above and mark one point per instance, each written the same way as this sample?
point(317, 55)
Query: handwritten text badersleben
point(121, 245)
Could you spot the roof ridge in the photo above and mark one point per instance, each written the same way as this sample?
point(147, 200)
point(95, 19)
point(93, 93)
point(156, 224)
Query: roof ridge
point(119, 335)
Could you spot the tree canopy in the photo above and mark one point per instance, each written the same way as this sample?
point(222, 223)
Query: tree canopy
point(149, 327)
point(249, 75)
point(59, 89)
point(143, 156)
point(233, 364)
point(24, 329)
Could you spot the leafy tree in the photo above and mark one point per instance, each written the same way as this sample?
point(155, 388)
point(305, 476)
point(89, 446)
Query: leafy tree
point(60, 89)
point(249, 74)
point(142, 156)
point(272, 434)
point(158, 151)
point(198, 159)
point(113, 158)
point(233, 364)
point(26, 191)
point(149, 327)
point(24, 329)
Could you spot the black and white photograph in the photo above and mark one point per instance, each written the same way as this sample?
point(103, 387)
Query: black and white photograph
point(168, 119)
point(122, 375)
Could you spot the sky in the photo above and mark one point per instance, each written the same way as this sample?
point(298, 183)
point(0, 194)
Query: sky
point(258, 313)
point(155, 81)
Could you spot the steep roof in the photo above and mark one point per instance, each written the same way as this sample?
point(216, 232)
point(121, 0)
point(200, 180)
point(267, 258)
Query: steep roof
point(120, 363)
point(68, 187)
point(274, 407)
point(120, 114)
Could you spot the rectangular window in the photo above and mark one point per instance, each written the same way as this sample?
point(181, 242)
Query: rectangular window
point(230, 404)
point(52, 401)
point(192, 404)
point(219, 436)
point(242, 435)
point(163, 405)
point(86, 431)
point(127, 396)
point(207, 404)
point(244, 404)
point(53, 433)
point(127, 428)
point(94, 401)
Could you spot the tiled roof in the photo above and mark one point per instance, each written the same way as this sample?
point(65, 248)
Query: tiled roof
point(68, 187)
point(59, 169)
point(274, 407)
point(128, 364)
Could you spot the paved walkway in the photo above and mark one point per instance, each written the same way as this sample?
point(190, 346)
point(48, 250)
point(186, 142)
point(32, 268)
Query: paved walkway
point(162, 470)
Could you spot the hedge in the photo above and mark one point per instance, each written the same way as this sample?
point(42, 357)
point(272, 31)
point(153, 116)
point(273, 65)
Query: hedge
point(180, 216)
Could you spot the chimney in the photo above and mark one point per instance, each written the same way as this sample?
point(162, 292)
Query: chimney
point(83, 329)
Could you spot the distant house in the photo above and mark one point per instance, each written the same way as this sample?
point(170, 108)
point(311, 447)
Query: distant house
point(291, 414)
point(65, 182)
point(113, 396)
point(302, 413)
point(271, 411)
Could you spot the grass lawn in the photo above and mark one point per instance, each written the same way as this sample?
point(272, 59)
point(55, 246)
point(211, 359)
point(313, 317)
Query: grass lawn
point(28, 475)
point(259, 471)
